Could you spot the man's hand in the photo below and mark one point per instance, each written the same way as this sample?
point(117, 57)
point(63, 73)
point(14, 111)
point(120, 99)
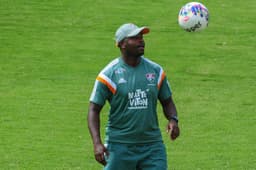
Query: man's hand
point(99, 152)
point(173, 129)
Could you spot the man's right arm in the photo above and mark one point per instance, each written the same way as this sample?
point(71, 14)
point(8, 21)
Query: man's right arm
point(94, 127)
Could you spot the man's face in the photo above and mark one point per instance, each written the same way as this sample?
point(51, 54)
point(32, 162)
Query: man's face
point(134, 46)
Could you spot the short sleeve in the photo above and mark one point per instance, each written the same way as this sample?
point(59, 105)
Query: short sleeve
point(100, 93)
point(165, 90)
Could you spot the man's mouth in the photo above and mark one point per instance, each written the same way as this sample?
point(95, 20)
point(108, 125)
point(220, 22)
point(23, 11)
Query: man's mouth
point(141, 46)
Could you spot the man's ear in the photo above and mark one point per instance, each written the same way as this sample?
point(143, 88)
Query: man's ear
point(122, 44)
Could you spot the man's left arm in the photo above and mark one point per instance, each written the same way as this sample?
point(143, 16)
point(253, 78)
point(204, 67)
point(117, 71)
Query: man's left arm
point(170, 113)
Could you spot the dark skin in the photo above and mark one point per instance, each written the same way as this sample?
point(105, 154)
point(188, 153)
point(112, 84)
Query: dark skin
point(132, 49)
point(169, 110)
point(94, 127)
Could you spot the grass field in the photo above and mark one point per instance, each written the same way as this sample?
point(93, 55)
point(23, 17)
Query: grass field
point(51, 52)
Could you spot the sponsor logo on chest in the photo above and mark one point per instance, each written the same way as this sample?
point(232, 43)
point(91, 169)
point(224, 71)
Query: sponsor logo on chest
point(138, 99)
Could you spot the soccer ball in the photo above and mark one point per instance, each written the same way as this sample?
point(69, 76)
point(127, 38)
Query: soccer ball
point(193, 16)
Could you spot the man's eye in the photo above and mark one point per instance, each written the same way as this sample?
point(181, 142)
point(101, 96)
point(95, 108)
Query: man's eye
point(137, 37)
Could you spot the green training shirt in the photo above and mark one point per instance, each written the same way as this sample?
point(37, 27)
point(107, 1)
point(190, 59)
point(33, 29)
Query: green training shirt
point(132, 93)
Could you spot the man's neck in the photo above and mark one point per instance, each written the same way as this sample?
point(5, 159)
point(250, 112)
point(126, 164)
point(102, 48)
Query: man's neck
point(132, 61)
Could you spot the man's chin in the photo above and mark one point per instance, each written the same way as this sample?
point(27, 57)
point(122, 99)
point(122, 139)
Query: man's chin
point(139, 55)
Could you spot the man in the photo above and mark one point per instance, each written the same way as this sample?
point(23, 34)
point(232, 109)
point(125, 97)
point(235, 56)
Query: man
point(132, 85)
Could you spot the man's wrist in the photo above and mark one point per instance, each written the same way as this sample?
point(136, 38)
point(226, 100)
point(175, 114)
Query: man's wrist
point(175, 118)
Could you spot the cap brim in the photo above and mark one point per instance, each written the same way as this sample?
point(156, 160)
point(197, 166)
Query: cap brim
point(142, 30)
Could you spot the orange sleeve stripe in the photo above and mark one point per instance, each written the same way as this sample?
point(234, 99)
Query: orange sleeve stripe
point(112, 89)
point(161, 80)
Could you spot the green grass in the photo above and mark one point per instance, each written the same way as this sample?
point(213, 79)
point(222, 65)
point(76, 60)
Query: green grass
point(51, 52)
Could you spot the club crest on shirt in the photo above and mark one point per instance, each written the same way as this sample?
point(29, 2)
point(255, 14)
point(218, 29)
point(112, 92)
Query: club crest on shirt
point(150, 77)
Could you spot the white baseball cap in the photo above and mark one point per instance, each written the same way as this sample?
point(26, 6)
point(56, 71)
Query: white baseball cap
point(129, 30)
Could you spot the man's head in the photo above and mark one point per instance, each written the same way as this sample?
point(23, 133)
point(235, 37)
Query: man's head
point(129, 38)
point(129, 30)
